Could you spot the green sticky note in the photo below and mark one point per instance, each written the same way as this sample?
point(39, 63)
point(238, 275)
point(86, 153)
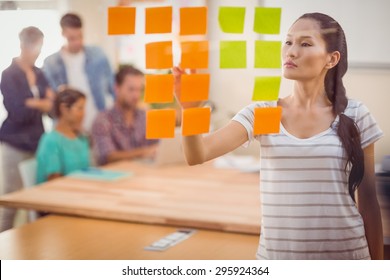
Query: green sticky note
point(267, 20)
point(266, 88)
point(268, 54)
point(232, 54)
point(231, 19)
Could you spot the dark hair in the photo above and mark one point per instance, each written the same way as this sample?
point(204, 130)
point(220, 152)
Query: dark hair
point(125, 70)
point(347, 129)
point(67, 96)
point(30, 35)
point(71, 20)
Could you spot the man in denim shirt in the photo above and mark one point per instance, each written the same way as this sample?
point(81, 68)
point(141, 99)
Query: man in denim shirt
point(85, 68)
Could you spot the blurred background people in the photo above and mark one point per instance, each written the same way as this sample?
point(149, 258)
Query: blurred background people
point(85, 68)
point(65, 149)
point(27, 96)
point(119, 133)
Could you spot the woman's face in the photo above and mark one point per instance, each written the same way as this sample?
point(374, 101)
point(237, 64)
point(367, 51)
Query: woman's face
point(304, 53)
point(74, 115)
point(30, 52)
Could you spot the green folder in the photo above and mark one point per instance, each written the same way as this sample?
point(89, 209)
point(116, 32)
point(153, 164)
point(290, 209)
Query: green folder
point(99, 174)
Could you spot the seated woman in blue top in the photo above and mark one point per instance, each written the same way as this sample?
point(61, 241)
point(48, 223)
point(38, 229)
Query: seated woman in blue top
point(64, 149)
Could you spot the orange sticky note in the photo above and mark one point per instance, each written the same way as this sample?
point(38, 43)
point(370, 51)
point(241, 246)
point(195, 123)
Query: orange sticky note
point(159, 88)
point(193, 21)
point(159, 55)
point(267, 120)
point(196, 121)
point(160, 123)
point(158, 20)
point(121, 20)
point(195, 54)
point(195, 87)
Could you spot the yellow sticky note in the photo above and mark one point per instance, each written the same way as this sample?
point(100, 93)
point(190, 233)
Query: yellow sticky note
point(266, 88)
point(159, 88)
point(196, 121)
point(231, 19)
point(232, 54)
point(267, 20)
point(268, 54)
point(160, 123)
point(195, 87)
point(159, 55)
point(195, 54)
point(158, 20)
point(193, 21)
point(267, 120)
point(121, 20)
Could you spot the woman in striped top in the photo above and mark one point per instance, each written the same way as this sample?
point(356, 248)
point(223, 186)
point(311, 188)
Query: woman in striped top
point(321, 158)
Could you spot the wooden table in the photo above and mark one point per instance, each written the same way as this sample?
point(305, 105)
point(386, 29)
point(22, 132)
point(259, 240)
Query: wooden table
point(179, 195)
point(64, 238)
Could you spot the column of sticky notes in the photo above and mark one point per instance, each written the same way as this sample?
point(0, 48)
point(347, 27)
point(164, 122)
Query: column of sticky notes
point(194, 55)
point(267, 55)
point(160, 123)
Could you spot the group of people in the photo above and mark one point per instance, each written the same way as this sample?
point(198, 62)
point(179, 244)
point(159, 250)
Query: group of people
point(72, 88)
point(311, 171)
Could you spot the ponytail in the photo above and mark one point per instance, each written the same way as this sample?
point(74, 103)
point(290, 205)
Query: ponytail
point(347, 129)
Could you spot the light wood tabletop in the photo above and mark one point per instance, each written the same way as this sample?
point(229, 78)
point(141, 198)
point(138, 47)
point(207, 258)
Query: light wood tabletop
point(179, 195)
point(65, 238)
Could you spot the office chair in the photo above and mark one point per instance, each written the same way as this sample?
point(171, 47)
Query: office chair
point(28, 170)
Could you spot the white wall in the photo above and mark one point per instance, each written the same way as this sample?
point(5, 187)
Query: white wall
point(364, 22)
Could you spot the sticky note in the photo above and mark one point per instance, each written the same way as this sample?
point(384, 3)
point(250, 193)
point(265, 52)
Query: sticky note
point(231, 19)
point(158, 20)
point(268, 54)
point(267, 120)
point(121, 20)
point(195, 87)
point(232, 54)
point(195, 54)
point(267, 20)
point(196, 121)
point(159, 55)
point(160, 123)
point(193, 21)
point(159, 88)
point(266, 88)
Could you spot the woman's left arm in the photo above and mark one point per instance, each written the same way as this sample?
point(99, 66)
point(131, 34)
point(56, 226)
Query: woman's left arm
point(369, 207)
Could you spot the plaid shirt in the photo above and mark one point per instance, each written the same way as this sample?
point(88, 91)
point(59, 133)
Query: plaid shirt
point(110, 133)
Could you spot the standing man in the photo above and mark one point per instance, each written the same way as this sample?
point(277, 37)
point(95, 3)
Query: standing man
point(119, 133)
point(85, 68)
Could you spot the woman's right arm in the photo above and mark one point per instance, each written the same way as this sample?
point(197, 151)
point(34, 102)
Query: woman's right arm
point(198, 148)
point(48, 156)
point(14, 100)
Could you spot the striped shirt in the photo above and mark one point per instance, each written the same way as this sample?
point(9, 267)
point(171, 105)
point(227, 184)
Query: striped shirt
point(307, 212)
